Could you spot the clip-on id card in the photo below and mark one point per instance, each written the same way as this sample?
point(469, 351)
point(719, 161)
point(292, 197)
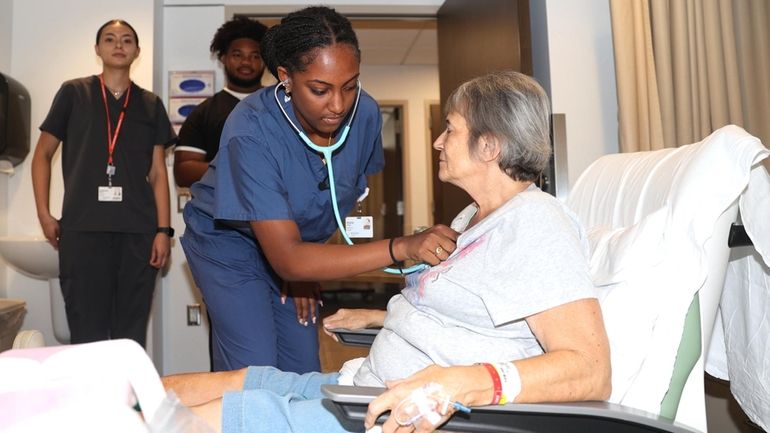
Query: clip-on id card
point(111, 193)
point(360, 226)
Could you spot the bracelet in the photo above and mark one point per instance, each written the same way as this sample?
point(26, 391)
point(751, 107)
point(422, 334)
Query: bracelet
point(498, 386)
point(510, 380)
point(393, 256)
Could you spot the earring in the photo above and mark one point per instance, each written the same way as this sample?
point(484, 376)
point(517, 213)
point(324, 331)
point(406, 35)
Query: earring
point(287, 96)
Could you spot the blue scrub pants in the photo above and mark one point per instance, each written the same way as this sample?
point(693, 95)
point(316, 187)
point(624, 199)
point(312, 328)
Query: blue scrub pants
point(250, 326)
point(274, 401)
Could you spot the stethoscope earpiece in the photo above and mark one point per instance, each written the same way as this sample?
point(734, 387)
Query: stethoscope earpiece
point(327, 150)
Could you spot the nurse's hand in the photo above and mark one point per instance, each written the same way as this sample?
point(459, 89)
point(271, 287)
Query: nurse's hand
point(306, 295)
point(431, 246)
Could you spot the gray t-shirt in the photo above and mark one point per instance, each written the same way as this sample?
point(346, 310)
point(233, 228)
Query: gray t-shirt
point(528, 256)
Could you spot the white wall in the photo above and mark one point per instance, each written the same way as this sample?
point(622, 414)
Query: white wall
point(573, 59)
point(6, 24)
point(41, 61)
point(6, 15)
point(187, 33)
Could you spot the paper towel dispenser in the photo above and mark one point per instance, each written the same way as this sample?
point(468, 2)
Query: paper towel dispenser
point(14, 120)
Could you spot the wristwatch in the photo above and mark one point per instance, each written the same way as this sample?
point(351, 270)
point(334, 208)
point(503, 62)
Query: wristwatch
point(167, 230)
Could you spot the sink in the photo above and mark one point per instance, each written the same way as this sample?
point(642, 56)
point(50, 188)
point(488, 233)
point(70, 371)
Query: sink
point(30, 255)
point(34, 257)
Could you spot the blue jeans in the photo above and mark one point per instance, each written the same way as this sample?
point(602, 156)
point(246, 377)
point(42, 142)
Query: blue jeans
point(274, 401)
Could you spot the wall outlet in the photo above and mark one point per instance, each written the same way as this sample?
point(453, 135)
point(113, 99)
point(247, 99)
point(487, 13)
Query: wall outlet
point(194, 315)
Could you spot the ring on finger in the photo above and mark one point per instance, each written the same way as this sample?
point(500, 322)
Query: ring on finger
point(439, 250)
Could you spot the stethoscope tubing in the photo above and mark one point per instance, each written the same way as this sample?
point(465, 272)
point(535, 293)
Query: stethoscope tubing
point(327, 152)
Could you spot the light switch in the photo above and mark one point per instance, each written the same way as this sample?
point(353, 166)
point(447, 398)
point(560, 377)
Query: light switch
point(194, 315)
point(183, 196)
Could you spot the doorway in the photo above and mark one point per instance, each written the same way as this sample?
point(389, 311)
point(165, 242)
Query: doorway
point(392, 204)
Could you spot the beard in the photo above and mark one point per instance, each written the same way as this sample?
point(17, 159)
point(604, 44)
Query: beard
point(240, 82)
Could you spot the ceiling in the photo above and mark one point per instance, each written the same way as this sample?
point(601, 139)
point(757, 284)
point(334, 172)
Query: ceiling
point(387, 41)
point(397, 42)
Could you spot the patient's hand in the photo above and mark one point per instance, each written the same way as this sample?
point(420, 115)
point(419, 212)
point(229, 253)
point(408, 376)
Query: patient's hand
point(358, 318)
point(470, 385)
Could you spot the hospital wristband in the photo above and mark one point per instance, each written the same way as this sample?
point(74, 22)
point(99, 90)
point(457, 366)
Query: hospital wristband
point(498, 386)
point(510, 380)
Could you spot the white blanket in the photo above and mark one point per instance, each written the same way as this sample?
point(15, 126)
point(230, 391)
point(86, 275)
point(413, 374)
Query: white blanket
point(85, 388)
point(740, 346)
point(649, 215)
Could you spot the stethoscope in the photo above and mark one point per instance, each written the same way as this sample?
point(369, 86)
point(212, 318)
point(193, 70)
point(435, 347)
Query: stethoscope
point(327, 152)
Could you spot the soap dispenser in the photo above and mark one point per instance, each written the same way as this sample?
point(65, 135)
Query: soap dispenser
point(15, 110)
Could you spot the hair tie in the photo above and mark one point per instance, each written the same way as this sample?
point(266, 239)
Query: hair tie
point(393, 256)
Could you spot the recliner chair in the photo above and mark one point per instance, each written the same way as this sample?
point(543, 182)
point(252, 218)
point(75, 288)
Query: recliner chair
point(659, 224)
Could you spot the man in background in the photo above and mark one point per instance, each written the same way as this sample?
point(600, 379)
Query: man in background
point(237, 46)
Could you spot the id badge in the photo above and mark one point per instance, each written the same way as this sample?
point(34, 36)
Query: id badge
point(111, 193)
point(360, 226)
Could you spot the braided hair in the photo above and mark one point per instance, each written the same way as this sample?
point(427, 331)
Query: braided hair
point(237, 28)
point(293, 43)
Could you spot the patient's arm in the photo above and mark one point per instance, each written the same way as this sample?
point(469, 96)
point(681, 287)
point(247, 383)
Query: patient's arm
point(575, 367)
point(195, 389)
point(358, 318)
point(471, 385)
point(576, 362)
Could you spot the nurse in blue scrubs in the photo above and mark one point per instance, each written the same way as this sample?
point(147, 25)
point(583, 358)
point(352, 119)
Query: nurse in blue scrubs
point(262, 213)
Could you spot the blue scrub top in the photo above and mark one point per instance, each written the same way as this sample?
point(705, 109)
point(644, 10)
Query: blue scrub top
point(264, 171)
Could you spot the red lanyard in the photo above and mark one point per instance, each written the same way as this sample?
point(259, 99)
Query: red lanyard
point(112, 139)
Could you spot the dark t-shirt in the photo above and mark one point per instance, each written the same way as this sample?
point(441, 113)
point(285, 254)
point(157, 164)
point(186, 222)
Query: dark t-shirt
point(203, 127)
point(77, 117)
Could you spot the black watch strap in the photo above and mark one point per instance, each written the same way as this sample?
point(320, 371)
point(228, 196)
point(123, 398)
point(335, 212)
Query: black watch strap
point(166, 230)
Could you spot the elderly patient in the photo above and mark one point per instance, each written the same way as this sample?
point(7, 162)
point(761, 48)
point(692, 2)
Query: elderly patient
point(510, 316)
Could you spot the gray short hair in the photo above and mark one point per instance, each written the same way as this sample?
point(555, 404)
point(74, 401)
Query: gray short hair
point(512, 108)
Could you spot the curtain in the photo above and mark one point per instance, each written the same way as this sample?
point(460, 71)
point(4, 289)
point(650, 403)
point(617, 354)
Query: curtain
point(638, 104)
point(701, 64)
